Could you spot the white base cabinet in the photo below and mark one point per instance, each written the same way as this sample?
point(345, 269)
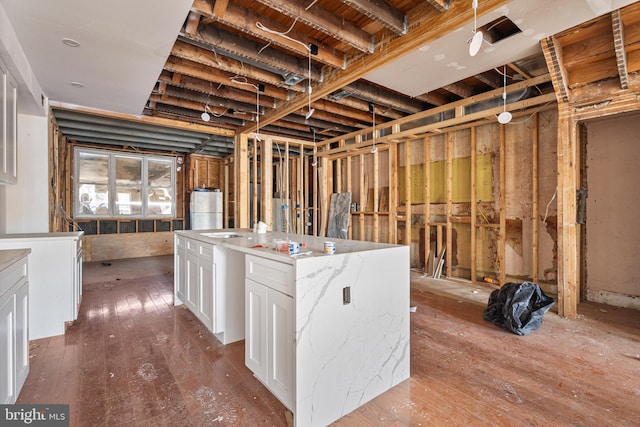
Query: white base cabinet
point(209, 281)
point(269, 342)
point(14, 328)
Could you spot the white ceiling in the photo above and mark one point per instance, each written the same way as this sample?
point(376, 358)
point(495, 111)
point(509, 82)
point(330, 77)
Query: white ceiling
point(447, 59)
point(124, 45)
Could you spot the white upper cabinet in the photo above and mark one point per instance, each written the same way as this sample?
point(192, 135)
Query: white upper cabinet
point(8, 127)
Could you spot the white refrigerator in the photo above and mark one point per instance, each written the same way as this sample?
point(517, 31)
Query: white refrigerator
point(206, 210)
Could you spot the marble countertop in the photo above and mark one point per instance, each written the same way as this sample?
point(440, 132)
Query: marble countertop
point(262, 244)
point(59, 235)
point(9, 257)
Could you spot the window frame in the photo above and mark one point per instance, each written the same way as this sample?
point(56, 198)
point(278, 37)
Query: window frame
point(111, 184)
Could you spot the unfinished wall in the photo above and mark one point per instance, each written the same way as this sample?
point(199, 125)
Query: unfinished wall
point(613, 203)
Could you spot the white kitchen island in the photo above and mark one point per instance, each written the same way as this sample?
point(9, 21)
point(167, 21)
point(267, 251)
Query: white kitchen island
point(324, 333)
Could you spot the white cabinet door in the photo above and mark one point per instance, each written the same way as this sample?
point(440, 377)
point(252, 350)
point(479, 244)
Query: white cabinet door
point(255, 350)
point(179, 267)
point(206, 288)
point(7, 349)
point(191, 297)
point(22, 335)
point(280, 367)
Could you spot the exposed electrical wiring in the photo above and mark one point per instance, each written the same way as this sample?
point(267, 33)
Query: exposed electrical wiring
point(546, 212)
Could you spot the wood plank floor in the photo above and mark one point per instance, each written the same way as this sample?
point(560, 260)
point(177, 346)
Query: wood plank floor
point(134, 359)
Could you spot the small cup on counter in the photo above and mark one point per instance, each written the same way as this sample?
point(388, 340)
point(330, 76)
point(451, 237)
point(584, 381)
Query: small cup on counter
point(329, 248)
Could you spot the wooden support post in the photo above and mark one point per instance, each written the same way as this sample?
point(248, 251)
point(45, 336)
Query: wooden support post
point(324, 195)
point(225, 199)
point(242, 177)
point(393, 194)
point(287, 188)
point(503, 208)
point(349, 190)
point(427, 203)
point(316, 199)
point(364, 189)
point(299, 207)
point(534, 197)
point(255, 217)
point(474, 204)
point(376, 183)
point(568, 292)
point(266, 181)
point(449, 246)
point(407, 192)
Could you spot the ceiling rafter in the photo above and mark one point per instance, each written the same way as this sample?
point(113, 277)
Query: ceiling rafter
point(245, 20)
point(440, 5)
point(182, 49)
point(382, 12)
point(460, 89)
point(490, 79)
point(179, 66)
point(320, 19)
point(362, 89)
point(618, 43)
point(191, 25)
point(252, 51)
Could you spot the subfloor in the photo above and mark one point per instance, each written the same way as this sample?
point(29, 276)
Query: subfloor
point(134, 359)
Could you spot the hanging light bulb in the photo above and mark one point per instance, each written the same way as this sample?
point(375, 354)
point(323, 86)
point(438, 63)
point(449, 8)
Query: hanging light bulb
point(476, 40)
point(205, 115)
point(505, 116)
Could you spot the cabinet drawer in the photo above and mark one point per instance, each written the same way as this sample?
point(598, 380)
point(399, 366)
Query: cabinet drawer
point(192, 246)
point(13, 274)
point(205, 251)
point(274, 274)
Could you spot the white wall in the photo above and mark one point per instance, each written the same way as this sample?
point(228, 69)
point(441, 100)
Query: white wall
point(26, 204)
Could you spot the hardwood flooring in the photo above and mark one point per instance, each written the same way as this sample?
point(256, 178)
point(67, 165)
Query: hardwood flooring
point(134, 359)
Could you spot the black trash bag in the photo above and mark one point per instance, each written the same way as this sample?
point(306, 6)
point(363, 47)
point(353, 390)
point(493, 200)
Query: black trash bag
point(518, 307)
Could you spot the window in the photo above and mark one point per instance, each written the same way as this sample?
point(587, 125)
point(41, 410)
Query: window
point(116, 184)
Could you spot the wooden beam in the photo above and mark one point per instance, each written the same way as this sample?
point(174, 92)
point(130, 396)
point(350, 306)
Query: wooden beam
point(384, 97)
point(567, 227)
point(206, 57)
point(220, 8)
point(242, 177)
point(407, 192)
point(424, 28)
point(382, 12)
point(618, 43)
point(489, 78)
point(243, 47)
point(393, 194)
point(433, 98)
point(460, 89)
point(553, 55)
point(322, 20)
point(474, 204)
point(427, 204)
point(193, 20)
point(245, 20)
point(440, 5)
point(449, 207)
point(534, 196)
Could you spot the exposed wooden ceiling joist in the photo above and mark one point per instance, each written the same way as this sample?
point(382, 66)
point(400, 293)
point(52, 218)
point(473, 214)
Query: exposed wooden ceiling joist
point(320, 19)
point(381, 11)
point(247, 21)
